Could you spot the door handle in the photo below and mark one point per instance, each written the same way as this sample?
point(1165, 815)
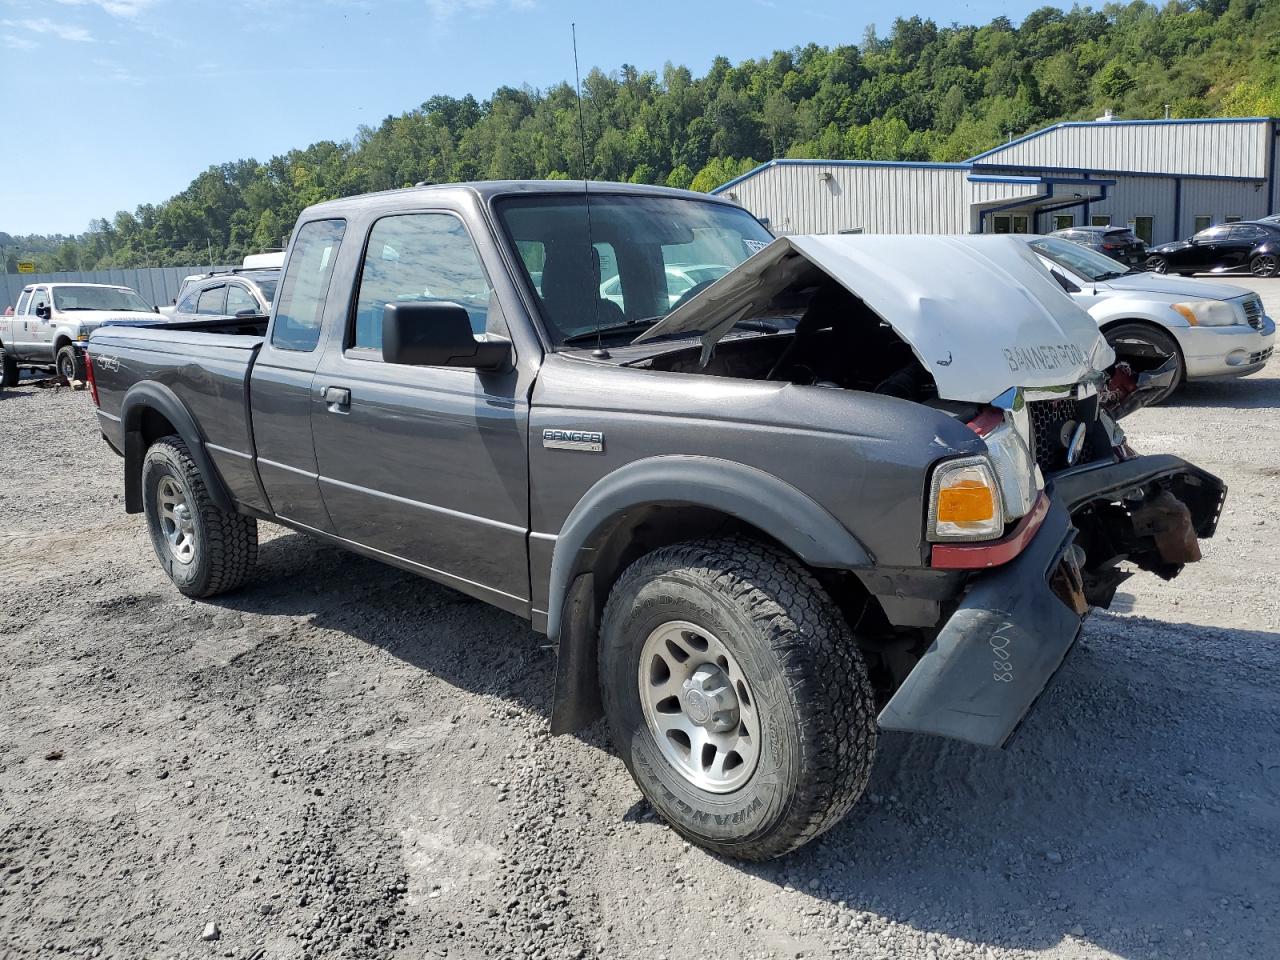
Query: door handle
point(337, 399)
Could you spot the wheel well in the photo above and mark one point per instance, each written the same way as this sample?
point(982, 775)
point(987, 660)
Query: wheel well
point(61, 341)
point(615, 546)
point(153, 425)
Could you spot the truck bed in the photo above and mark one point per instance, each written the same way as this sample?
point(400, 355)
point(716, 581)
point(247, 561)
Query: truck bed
point(204, 366)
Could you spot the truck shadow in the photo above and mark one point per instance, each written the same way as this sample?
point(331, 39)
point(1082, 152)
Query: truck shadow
point(1137, 804)
point(1256, 392)
point(458, 639)
point(1139, 801)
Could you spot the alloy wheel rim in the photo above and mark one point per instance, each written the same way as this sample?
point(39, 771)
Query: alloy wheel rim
point(177, 522)
point(1264, 266)
point(699, 706)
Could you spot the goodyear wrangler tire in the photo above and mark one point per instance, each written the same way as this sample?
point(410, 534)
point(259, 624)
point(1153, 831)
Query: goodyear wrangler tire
point(204, 550)
point(736, 696)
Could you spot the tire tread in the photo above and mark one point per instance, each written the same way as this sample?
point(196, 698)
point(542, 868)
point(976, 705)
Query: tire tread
point(826, 677)
point(231, 549)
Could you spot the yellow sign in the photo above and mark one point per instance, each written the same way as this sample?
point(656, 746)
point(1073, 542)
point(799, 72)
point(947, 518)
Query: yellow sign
point(26, 266)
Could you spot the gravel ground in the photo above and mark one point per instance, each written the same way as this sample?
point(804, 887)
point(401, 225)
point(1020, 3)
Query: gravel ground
point(342, 760)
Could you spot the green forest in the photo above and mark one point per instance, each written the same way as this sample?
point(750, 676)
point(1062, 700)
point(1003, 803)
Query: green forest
point(921, 92)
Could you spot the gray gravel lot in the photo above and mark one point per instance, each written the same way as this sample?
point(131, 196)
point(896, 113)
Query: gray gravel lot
point(342, 760)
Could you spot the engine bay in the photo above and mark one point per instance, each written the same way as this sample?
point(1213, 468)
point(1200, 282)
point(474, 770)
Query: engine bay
point(813, 333)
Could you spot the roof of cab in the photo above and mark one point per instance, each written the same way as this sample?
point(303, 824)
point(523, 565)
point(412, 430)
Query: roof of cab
point(488, 189)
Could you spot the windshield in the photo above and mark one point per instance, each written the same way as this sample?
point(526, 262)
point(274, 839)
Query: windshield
point(641, 257)
point(1080, 260)
point(98, 298)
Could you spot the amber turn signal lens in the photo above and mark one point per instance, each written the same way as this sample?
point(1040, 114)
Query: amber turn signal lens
point(965, 501)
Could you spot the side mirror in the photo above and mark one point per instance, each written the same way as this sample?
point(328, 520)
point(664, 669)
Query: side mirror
point(247, 312)
point(155, 308)
point(44, 311)
point(437, 335)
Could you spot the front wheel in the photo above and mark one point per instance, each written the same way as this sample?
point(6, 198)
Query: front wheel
point(70, 364)
point(1145, 348)
point(1265, 265)
point(205, 550)
point(1157, 264)
point(736, 696)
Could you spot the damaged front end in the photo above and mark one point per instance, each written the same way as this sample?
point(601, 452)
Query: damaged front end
point(1022, 538)
point(1094, 523)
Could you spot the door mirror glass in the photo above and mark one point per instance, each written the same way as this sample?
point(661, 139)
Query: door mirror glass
point(437, 334)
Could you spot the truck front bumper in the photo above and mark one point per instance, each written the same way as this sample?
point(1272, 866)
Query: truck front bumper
point(1016, 623)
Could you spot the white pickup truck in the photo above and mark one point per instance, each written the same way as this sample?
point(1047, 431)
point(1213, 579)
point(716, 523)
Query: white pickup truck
point(51, 319)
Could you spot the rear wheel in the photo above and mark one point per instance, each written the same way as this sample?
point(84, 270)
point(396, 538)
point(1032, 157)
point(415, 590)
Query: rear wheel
point(1157, 264)
point(1145, 348)
point(1265, 265)
point(8, 370)
point(205, 550)
point(70, 364)
point(736, 696)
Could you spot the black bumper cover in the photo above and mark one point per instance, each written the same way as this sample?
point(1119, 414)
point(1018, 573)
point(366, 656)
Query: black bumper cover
point(1011, 631)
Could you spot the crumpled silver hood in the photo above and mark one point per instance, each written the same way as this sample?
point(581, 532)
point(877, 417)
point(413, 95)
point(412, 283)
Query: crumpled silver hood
point(980, 312)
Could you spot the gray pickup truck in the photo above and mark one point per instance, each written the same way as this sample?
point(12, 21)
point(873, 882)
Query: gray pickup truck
point(841, 484)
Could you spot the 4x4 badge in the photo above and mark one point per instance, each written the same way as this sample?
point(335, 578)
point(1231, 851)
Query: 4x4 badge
point(590, 441)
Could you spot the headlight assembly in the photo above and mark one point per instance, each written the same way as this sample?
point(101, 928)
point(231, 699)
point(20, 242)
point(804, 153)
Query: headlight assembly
point(1209, 313)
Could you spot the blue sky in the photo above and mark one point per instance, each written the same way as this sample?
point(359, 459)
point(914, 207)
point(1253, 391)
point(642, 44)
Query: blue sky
point(111, 103)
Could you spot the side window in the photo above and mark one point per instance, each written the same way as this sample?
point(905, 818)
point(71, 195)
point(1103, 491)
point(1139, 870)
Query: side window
point(239, 298)
point(23, 299)
point(418, 258)
point(39, 298)
point(212, 299)
point(188, 303)
point(300, 303)
point(1248, 233)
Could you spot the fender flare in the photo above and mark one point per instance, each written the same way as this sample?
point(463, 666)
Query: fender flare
point(149, 395)
point(767, 503)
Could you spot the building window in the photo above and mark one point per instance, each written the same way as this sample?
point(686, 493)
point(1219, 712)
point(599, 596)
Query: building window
point(1144, 227)
point(1100, 220)
point(1203, 223)
point(1232, 220)
point(1064, 221)
point(1010, 223)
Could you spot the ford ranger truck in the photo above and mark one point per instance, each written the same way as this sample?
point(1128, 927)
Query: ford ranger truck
point(843, 484)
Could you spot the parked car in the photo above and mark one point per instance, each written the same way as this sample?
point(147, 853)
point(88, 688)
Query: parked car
point(1118, 243)
point(1252, 245)
point(52, 321)
point(1209, 329)
point(239, 293)
point(858, 483)
point(681, 278)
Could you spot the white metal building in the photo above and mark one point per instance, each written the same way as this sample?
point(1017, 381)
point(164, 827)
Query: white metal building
point(1165, 178)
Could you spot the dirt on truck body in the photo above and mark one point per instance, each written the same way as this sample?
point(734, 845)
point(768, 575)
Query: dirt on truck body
point(841, 484)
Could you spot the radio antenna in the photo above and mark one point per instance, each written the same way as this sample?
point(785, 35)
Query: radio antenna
point(599, 351)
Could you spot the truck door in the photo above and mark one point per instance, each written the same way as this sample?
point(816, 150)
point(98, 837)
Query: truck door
point(427, 465)
point(40, 329)
point(13, 329)
point(280, 384)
